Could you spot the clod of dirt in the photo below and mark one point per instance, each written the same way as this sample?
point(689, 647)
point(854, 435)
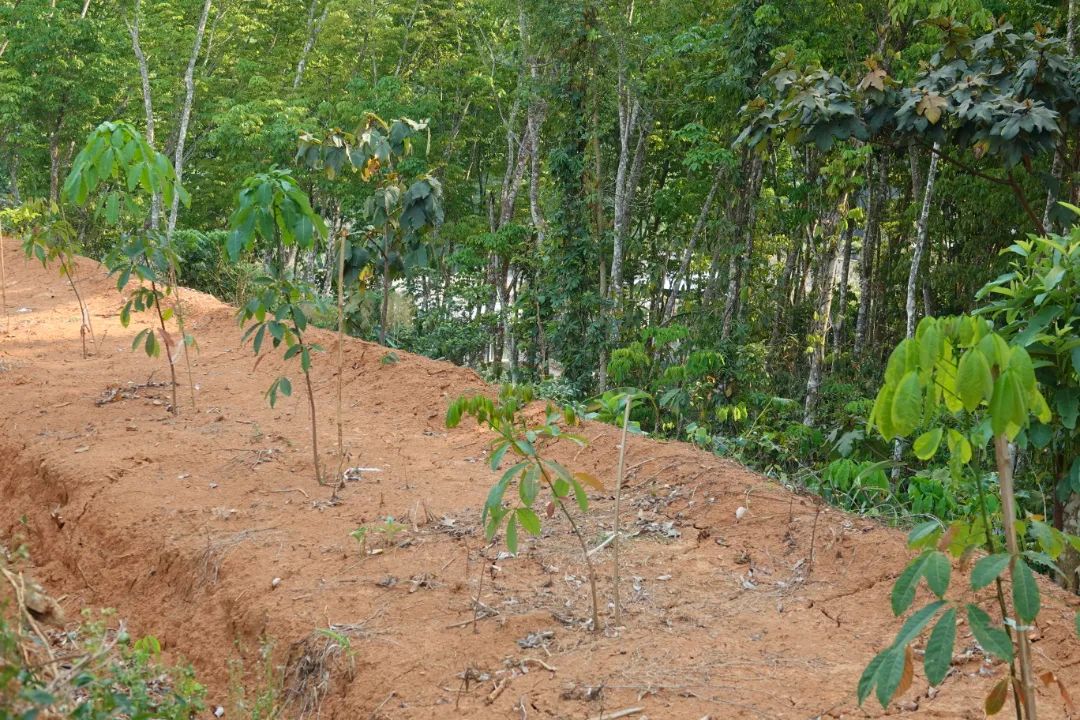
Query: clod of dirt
point(536, 639)
point(576, 691)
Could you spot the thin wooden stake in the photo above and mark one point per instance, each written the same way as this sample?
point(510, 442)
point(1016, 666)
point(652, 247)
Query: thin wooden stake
point(618, 507)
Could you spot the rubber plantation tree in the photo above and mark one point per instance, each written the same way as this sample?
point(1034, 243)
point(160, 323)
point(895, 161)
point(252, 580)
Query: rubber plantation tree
point(1034, 306)
point(1004, 95)
point(962, 386)
point(119, 174)
point(273, 214)
point(513, 499)
point(49, 237)
point(398, 210)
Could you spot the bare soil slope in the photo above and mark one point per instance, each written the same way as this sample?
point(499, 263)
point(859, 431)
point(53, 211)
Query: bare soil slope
point(183, 523)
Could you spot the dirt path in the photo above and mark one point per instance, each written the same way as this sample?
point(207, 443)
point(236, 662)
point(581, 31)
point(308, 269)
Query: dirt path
point(182, 524)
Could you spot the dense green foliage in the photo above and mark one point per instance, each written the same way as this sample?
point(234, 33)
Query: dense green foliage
point(738, 207)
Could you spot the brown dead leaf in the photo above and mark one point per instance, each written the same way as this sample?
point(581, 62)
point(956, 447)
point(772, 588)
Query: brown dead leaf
point(589, 479)
point(996, 699)
point(909, 673)
point(930, 107)
point(874, 79)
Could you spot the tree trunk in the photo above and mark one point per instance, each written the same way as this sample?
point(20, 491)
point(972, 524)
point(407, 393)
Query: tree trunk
point(840, 310)
point(823, 288)
point(314, 26)
point(922, 230)
point(54, 166)
point(783, 293)
point(871, 239)
point(741, 264)
point(148, 106)
point(185, 114)
point(688, 252)
point(13, 171)
point(626, 177)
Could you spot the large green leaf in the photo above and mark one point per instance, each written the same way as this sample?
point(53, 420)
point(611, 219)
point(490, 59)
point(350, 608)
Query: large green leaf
point(914, 625)
point(974, 382)
point(866, 681)
point(993, 640)
point(987, 569)
point(1025, 592)
point(903, 592)
point(926, 445)
point(889, 673)
point(937, 572)
point(939, 648)
point(906, 411)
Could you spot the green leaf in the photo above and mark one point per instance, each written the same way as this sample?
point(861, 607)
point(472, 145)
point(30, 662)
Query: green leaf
point(926, 445)
point(924, 535)
point(1025, 592)
point(993, 640)
point(939, 648)
point(915, 624)
point(987, 570)
point(903, 592)
point(974, 382)
point(511, 534)
point(937, 572)
point(529, 520)
point(889, 673)
point(906, 411)
point(497, 456)
point(866, 681)
point(1078, 623)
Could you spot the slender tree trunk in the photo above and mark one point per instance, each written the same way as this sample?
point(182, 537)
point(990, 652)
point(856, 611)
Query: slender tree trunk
point(823, 309)
point(871, 239)
point(185, 113)
point(630, 158)
point(922, 231)
point(840, 310)
point(314, 26)
point(783, 293)
point(741, 264)
point(691, 245)
point(148, 105)
point(54, 166)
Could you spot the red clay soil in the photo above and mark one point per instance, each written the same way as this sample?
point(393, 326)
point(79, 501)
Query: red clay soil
point(183, 523)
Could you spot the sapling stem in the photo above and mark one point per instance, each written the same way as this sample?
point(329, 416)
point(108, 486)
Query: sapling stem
point(581, 541)
point(83, 309)
point(314, 434)
point(991, 547)
point(618, 508)
point(1008, 512)
point(168, 352)
point(338, 480)
point(179, 310)
point(3, 283)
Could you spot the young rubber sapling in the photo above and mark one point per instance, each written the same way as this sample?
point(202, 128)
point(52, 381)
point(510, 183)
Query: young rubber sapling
point(534, 472)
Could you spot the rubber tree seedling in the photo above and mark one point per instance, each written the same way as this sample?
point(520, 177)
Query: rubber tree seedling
point(954, 371)
point(119, 174)
point(512, 500)
point(274, 211)
point(49, 237)
point(623, 401)
point(398, 210)
point(1034, 305)
point(146, 257)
